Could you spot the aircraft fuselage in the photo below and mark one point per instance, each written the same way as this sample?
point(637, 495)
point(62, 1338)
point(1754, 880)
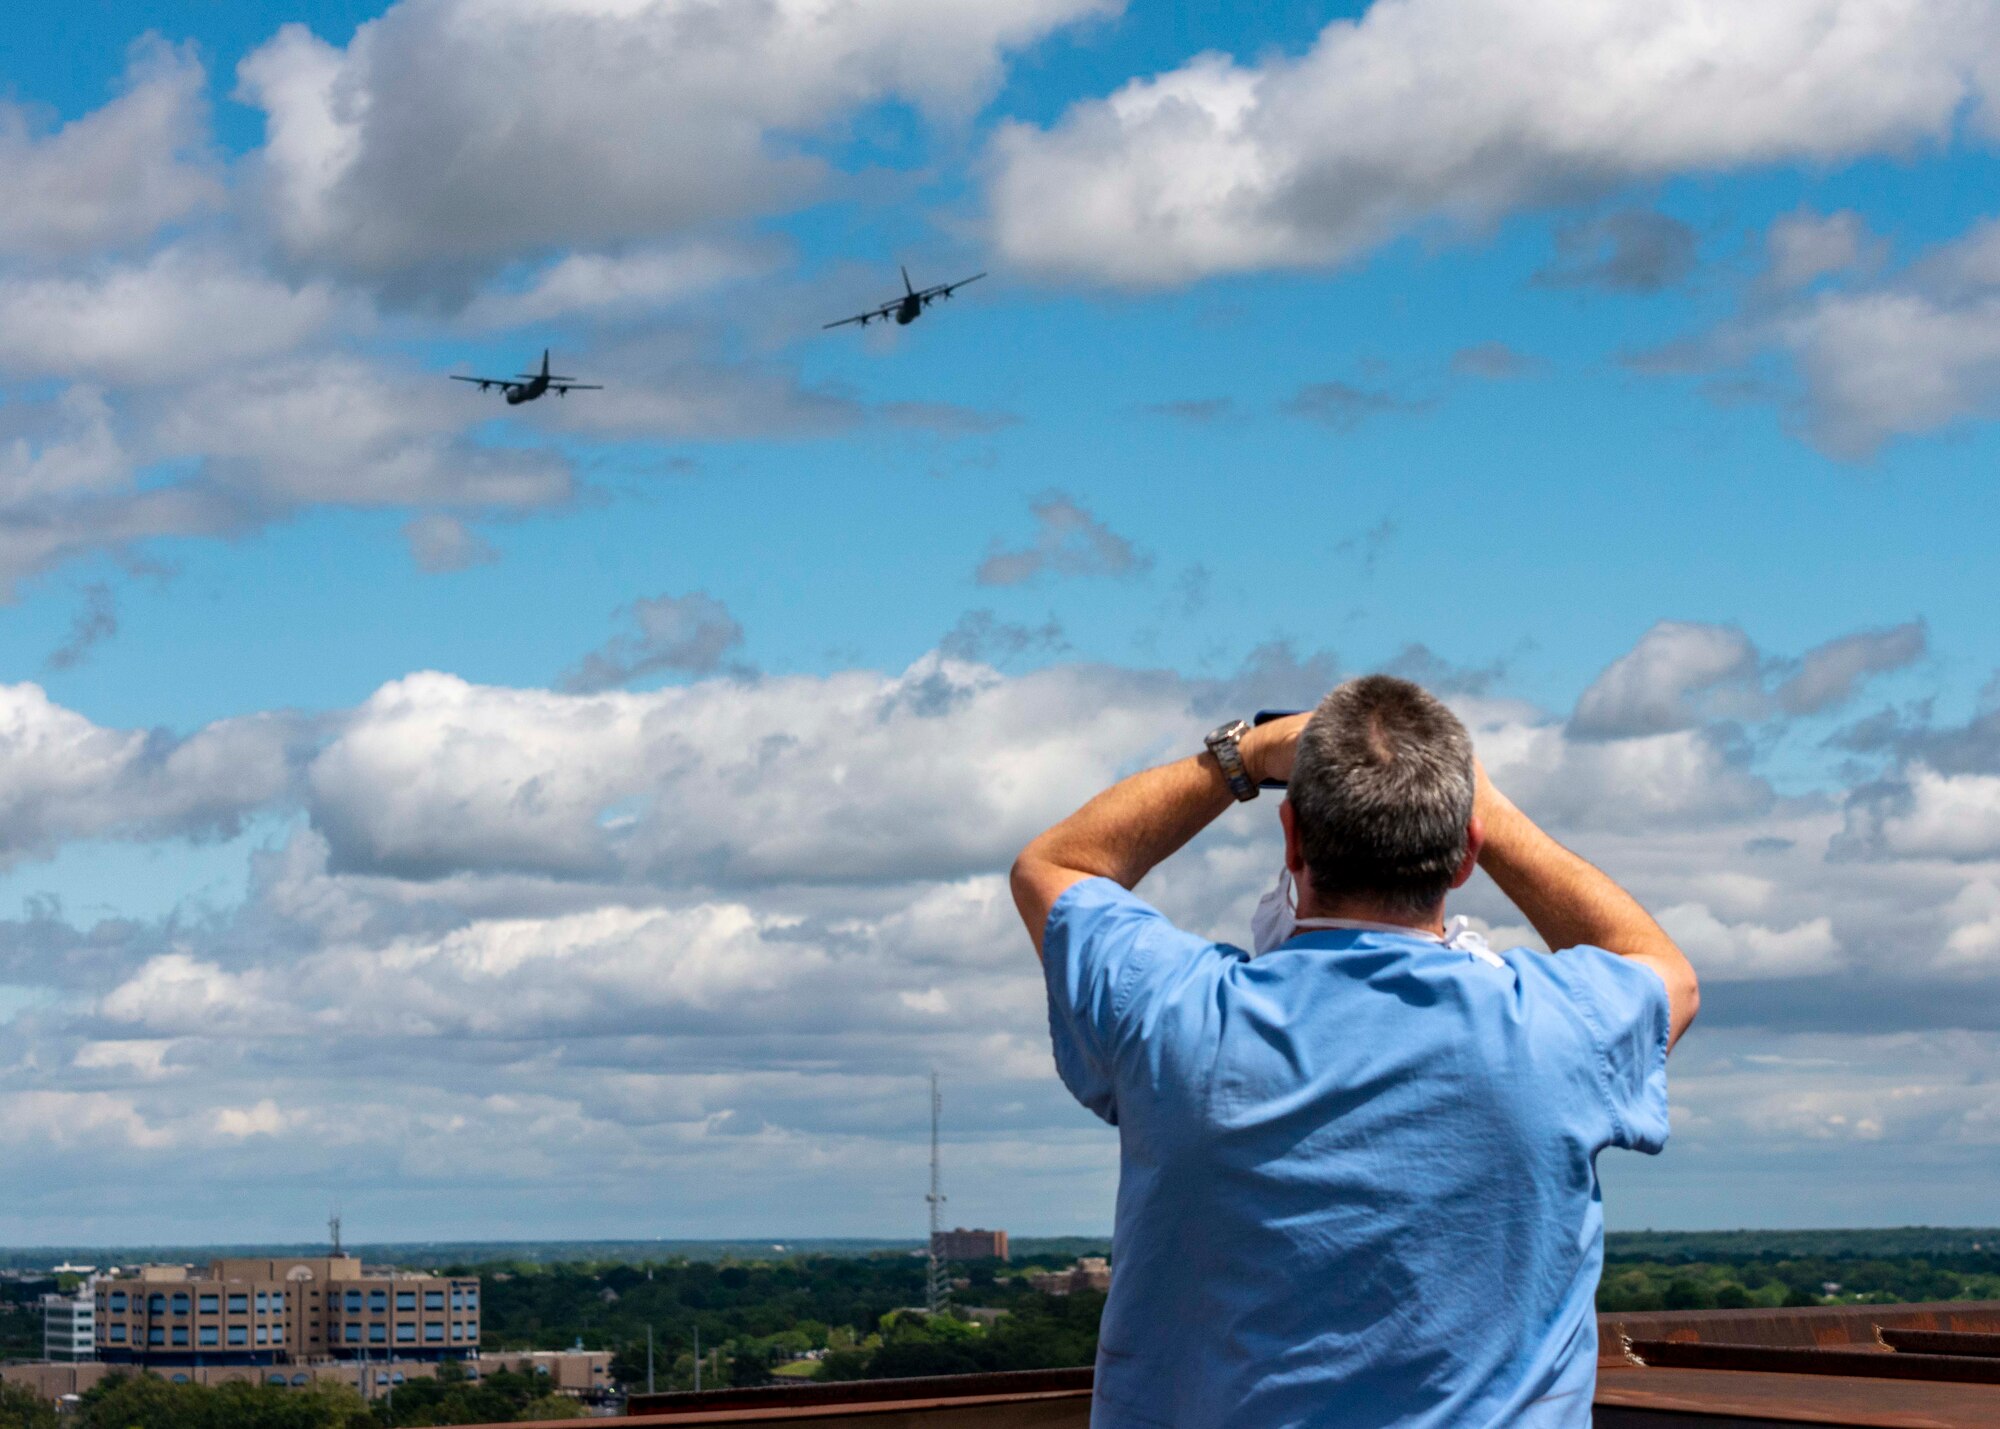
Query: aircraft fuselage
point(907, 310)
point(526, 391)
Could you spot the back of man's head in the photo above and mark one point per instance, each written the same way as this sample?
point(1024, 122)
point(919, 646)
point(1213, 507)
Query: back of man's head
point(1381, 791)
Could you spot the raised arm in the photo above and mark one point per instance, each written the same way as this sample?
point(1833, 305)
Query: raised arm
point(1570, 901)
point(1139, 822)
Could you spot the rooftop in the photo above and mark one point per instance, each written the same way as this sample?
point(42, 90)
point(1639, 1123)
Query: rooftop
point(1878, 1366)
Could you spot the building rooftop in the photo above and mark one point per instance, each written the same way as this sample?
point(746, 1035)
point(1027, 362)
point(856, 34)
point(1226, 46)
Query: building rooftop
point(1870, 1366)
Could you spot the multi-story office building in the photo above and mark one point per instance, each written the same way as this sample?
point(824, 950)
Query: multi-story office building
point(962, 1244)
point(69, 1326)
point(283, 1311)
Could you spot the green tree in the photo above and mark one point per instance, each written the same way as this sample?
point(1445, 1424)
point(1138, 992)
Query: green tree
point(22, 1408)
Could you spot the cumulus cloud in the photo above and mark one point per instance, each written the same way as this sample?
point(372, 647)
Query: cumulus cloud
point(1829, 675)
point(1494, 362)
point(1868, 357)
point(1344, 406)
point(1068, 541)
point(63, 777)
point(181, 313)
point(451, 135)
point(1220, 167)
point(727, 927)
point(116, 174)
point(1631, 251)
point(689, 634)
point(615, 286)
point(94, 623)
point(440, 542)
point(1654, 688)
point(337, 430)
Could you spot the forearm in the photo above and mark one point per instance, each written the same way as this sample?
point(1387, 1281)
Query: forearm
point(1138, 823)
point(1571, 902)
point(1122, 834)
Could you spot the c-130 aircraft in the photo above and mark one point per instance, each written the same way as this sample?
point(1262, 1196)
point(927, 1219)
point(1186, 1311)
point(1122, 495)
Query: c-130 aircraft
point(908, 308)
point(527, 386)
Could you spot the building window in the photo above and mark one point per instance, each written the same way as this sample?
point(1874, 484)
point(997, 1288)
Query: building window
point(406, 1299)
point(117, 1334)
point(472, 1299)
point(274, 1379)
point(378, 1299)
point(378, 1334)
point(353, 1335)
point(156, 1305)
point(277, 1300)
point(263, 1335)
point(209, 1304)
point(406, 1334)
point(180, 1304)
point(457, 1298)
point(263, 1302)
point(239, 1334)
point(434, 1332)
point(180, 1334)
point(210, 1335)
point(157, 1335)
point(277, 1334)
point(180, 1379)
point(118, 1299)
point(239, 1304)
point(301, 1379)
point(434, 1299)
point(354, 1300)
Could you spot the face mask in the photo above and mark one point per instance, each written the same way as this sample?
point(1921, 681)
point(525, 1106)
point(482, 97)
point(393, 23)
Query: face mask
point(1277, 921)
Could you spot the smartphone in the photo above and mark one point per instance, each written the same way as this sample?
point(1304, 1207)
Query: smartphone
point(1261, 717)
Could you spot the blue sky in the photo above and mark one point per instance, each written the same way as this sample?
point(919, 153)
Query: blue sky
point(397, 761)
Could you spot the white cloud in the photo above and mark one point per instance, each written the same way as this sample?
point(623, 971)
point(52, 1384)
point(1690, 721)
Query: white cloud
point(114, 175)
point(63, 777)
point(1224, 167)
point(1730, 952)
point(1655, 688)
point(181, 314)
point(1954, 816)
point(339, 431)
point(615, 286)
point(449, 132)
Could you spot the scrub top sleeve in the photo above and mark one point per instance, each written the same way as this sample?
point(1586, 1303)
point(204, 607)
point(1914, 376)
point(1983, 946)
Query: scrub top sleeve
point(1625, 1003)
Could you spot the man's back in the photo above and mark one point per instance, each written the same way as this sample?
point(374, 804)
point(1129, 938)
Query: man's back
point(1358, 1181)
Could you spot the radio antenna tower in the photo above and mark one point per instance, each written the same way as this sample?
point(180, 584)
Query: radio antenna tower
point(937, 1285)
point(333, 1229)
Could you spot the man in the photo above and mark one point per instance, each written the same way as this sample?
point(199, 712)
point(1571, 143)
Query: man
point(1358, 1182)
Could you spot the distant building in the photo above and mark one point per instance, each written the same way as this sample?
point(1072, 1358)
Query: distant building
point(282, 1311)
point(962, 1244)
point(1091, 1272)
point(69, 1326)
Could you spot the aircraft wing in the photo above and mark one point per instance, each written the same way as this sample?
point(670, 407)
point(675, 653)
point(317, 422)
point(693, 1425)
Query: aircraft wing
point(575, 387)
point(484, 382)
point(870, 316)
point(945, 290)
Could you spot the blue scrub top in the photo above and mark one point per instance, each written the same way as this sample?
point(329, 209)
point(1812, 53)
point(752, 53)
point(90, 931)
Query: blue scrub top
point(1358, 1181)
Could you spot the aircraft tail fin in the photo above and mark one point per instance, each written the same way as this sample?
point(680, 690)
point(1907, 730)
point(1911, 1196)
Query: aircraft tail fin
point(906, 281)
point(545, 362)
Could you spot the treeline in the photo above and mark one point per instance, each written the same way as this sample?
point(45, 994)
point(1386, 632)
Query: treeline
point(147, 1401)
point(845, 1317)
point(1771, 1280)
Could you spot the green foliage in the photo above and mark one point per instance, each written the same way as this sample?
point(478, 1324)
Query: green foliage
point(1767, 1278)
point(24, 1409)
point(147, 1401)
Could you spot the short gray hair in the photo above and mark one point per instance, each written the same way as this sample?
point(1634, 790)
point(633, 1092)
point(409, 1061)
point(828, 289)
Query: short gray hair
point(1381, 791)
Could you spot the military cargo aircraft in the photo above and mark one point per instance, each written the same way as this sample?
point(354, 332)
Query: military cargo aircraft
point(527, 386)
point(908, 308)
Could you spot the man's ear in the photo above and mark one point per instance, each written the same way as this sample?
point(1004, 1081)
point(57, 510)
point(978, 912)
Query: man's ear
point(1295, 857)
point(1475, 839)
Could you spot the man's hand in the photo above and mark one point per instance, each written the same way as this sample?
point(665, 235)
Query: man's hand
point(1269, 749)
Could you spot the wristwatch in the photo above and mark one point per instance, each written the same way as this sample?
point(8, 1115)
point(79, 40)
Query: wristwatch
point(1222, 744)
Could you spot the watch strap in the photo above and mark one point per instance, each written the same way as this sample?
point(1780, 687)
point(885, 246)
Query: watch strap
point(1222, 743)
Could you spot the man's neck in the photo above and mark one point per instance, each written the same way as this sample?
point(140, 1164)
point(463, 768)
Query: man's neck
point(1360, 910)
